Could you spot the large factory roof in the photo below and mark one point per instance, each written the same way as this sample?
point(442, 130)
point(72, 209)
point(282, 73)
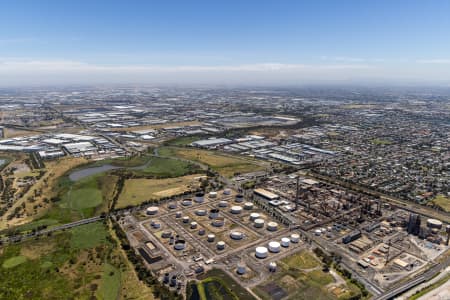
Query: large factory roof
point(211, 142)
point(266, 194)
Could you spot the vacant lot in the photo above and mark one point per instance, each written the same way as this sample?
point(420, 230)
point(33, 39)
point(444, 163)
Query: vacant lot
point(302, 260)
point(442, 202)
point(166, 167)
point(225, 164)
point(137, 191)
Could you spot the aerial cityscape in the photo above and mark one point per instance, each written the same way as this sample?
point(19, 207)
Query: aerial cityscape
point(215, 178)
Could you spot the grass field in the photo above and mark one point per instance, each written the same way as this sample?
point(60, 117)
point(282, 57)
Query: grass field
point(137, 191)
point(216, 285)
point(79, 263)
point(226, 165)
point(442, 202)
point(302, 260)
point(165, 168)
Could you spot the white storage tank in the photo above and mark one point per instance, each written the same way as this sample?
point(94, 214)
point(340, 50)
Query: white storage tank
point(272, 226)
point(236, 209)
point(227, 191)
point(261, 252)
point(248, 206)
point(317, 232)
point(186, 202)
point(285, 242)
point(223, 203)
point(274, 247)
point(218, 222)
point(185, 219)
point(241, 269)
point(201, 232)
point(433, 223)
point(236, 235)
point(180, 245)
point(295, 238)
point(211, 237)
point(178, 214)
point(272, 266)
point(193, 225)
point(254, 216)
point(259, 223)
point(213, 213)
point(199, 197)
point(220, 245)
point(152, 210)
point(200, 212)
point(172, 205)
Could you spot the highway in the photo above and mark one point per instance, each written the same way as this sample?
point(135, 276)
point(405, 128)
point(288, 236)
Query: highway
point(430, 273)
point(21, 237)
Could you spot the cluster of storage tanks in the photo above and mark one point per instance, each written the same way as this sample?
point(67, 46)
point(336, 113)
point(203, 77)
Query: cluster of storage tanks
point(275, 246)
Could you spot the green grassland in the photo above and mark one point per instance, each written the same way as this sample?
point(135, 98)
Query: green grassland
point(216, 284)
point(80, 263)
point(300, 276)
point(161, 167)
point(224, 164)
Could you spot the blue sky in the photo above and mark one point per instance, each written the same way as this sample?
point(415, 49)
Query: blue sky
point(221, 41)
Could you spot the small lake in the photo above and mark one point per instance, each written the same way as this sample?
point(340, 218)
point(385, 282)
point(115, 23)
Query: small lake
point(80, 174)
point(83, 173)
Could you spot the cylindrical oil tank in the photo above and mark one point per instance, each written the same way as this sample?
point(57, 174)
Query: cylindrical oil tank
point(200, 212)
point(285, 242)
point(317, 232)
point(211, 237)
point(212, 195)
point(185, 219)
point(433, 223)
point(261, 252)
point(178, 214)
point(194, 225)
point(274, 247)
point(227, 191)
point(220, 245)
point(248, 205)
point(241, 269)
point(173, 281)
point(236, 235)
point(166, 234)
point(259, 223)
point(236, 209)
point(272, 226)
point(254, 216)
point(223, 204)
point(213, 213)
point(179, 245)
point(166, 278)
point(201, 231)
point(152, 210)
point(186, 202)
point(272, 266)
point(295, 238)
point(239, 198)
point(172, 205)
point(199, 197)
point(218, 222)
point(156, 225)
